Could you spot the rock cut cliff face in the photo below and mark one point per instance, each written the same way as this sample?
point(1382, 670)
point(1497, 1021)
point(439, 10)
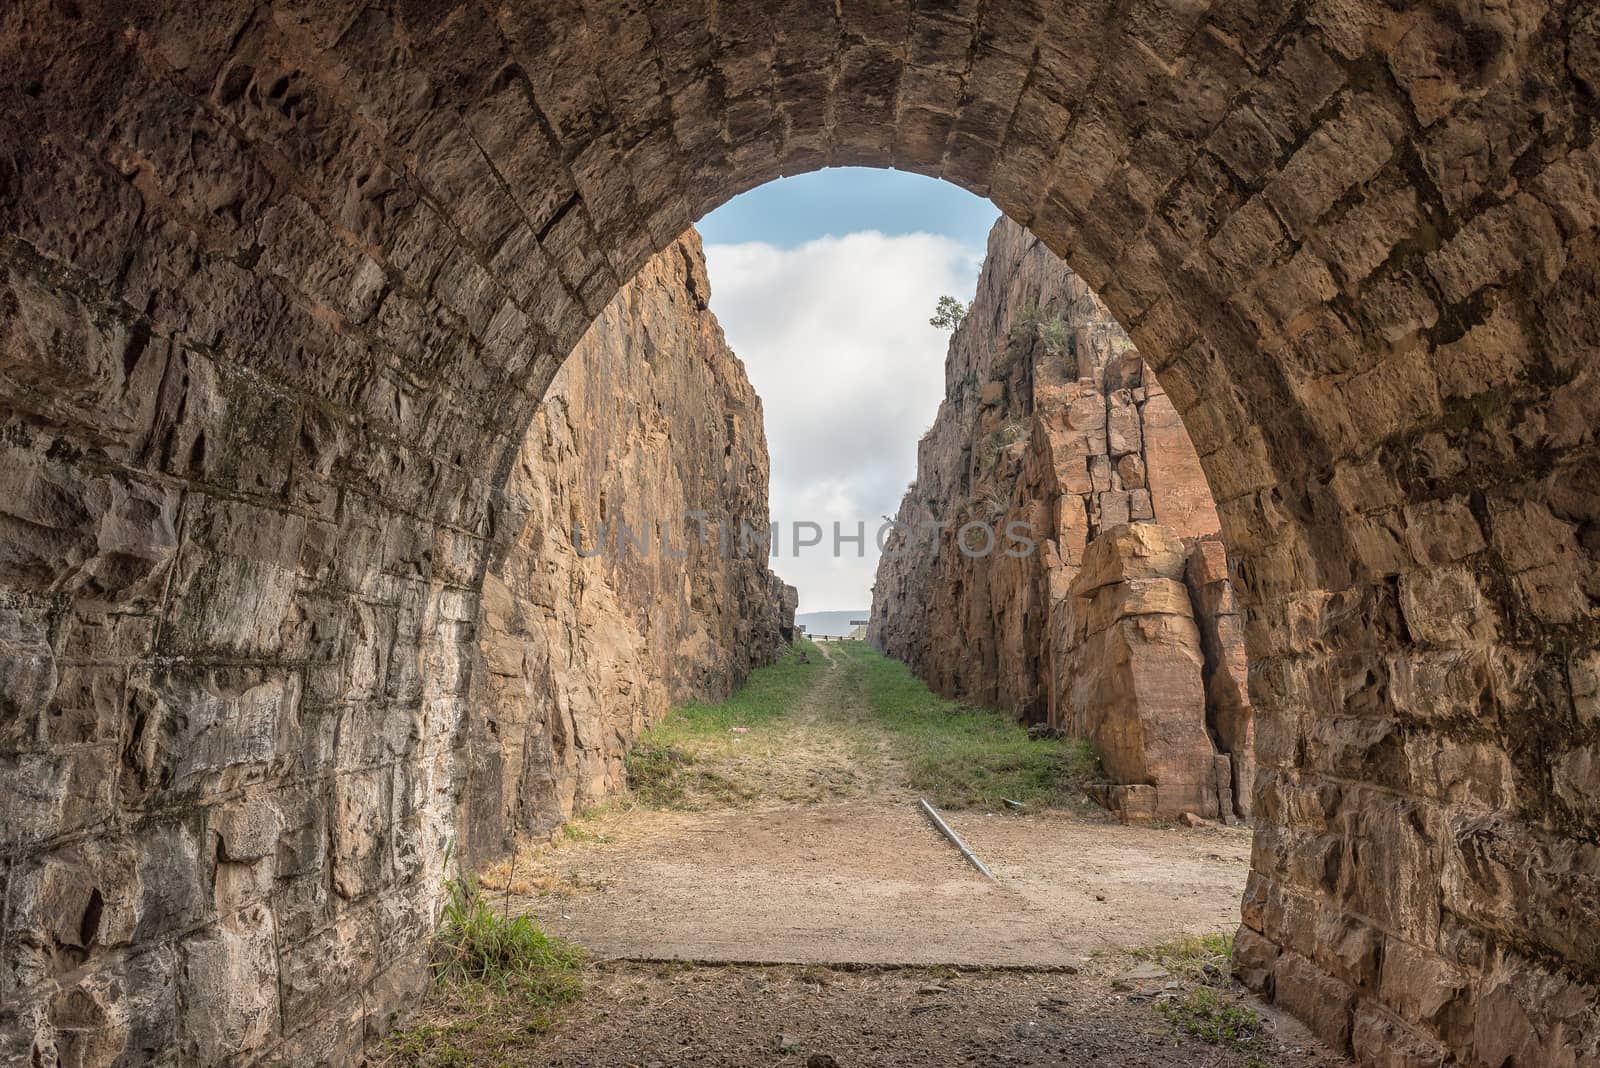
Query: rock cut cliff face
point(1118, 623)
point(652, 425)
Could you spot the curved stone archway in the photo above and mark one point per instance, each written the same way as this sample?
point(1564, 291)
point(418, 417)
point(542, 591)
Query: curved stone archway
point(281, 284)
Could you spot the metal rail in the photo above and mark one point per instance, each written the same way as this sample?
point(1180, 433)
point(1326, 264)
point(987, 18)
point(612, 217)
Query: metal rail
point(955, 840)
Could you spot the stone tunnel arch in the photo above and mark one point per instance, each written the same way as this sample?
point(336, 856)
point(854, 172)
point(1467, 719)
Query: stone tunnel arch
point(280, 285)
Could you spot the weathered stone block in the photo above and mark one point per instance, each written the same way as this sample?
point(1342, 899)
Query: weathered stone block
point(45, 795)
point(1525, 1012)
point(1391, 865)
point(1349, 149)
point(1500, 241)
point(78, 900)
point(116, 1011)
point(328, 966)
point(195, 725)
point(1134, 551)
point(1576, 778)
point(1422, 988)
point(1382, 1042)
point(361, 833)
point(229, 986)
point(1530, 884)
point(239, 555)
point(1254, 960)
point(1123, 436)
point(1442, 532)
point(1323, 1002)
point(175, 872)
point(1112, 509)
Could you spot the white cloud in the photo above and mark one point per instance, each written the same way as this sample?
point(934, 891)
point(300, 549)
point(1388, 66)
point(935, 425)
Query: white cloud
point(835, 336)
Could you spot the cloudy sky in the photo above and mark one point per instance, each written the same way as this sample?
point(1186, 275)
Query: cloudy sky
point(824, 284)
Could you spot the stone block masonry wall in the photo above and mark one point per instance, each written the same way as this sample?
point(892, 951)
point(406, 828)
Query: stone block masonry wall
point(282, 283)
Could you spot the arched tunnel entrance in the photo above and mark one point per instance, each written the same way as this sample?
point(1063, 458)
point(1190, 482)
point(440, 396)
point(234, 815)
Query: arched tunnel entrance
point(775, 841)
point(280, 286)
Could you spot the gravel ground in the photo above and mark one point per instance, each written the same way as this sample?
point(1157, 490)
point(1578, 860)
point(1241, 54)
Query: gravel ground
point(667, 1015)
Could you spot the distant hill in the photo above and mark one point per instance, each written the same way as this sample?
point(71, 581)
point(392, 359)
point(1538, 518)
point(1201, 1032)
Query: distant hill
point(832, 624)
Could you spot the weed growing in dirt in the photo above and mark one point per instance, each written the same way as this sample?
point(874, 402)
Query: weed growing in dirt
point(431, 1044)
point(656, 772)
point(572, 831)
point(965, 757)
point(510, 955)
point(1205, 1010)
point(1214, 1018)
point(664, 776)
point(500, 980)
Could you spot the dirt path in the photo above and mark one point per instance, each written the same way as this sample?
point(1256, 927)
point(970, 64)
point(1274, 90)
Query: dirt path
point(831, 861)
point(825, 748)
point(869, 881)
point(822, 873)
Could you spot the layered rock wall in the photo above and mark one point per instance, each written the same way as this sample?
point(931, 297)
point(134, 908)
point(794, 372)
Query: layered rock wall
point(1052, 424)
point(589, 633)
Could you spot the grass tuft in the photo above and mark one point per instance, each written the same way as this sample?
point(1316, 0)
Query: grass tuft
point(499, 980)
point(1207, 1010)
point(434, 1045)
point(657, 773)
point(1205, 958)
point(512, 955)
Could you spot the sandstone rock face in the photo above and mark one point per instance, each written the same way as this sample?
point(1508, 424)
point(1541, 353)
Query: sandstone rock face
point(282, 284)
point(1131, 673)
point(1054, 425)
point(649, 449)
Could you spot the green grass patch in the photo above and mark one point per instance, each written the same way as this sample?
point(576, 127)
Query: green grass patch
point(432, 1044)
point(769, 693)
point(1206, 1010)
point(573, 831)
point(965, 757)
point(1205, 958)
point(662, 765)
point(499, 982)
point(1215, 1018)
point(668, 776)
point(480, 950)
point(657, 772)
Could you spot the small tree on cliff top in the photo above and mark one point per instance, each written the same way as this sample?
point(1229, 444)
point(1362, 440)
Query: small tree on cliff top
point(949, 313)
